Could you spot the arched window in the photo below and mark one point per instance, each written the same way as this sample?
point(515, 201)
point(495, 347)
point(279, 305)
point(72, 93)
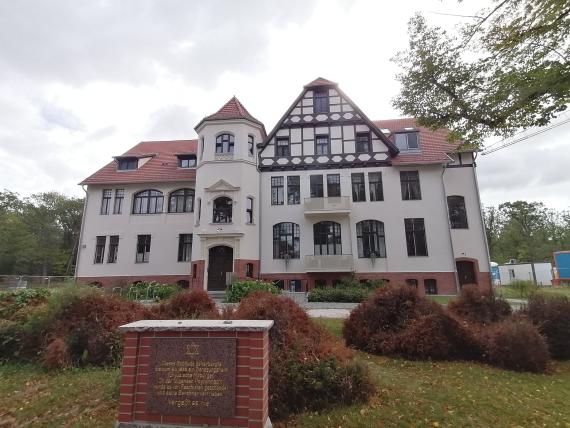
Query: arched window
point(222, 210)
point(457, 212)
point(148, 202)
point(181, 201)
point(225, 144)
point(371, 240)
point(286, 241)
point(327, 239)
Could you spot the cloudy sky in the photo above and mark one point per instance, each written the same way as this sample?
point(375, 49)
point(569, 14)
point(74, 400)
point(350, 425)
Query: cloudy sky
point(82, 81)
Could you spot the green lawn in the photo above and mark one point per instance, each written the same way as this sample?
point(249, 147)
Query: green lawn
point(510, 293)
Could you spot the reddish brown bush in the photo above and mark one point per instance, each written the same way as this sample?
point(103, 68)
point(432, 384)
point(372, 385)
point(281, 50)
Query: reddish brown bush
point(396, 320)
point(187, 305)
point(479, 306)
point(551, 315)
point(516, 344)
point(56, 355)
point(309, 368)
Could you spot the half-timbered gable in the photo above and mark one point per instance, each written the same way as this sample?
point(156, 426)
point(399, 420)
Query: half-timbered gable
point(324, 128)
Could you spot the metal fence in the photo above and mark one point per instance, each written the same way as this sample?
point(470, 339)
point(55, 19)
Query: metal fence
point(15, 282)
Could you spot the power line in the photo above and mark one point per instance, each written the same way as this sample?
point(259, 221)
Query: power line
point(526, 137)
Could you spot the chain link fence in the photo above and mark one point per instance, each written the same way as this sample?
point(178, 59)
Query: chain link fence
point(16, 282)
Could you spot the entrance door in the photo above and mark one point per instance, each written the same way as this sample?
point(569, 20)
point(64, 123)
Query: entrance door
point(221, 260)
point(466, 272)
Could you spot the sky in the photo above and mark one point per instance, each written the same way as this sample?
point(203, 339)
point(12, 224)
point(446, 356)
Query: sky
point(81, 82)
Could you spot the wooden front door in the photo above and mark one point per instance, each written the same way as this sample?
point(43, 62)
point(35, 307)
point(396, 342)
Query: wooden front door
point(220, 262)
point(466, 272)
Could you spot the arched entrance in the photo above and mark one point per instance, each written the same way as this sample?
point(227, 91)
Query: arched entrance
point(220, 262)
point(466, 272)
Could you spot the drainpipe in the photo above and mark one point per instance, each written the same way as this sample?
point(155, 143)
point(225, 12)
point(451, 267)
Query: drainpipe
point(482, 219)
point(455, 275)
point(259, 216)
point(81, 232)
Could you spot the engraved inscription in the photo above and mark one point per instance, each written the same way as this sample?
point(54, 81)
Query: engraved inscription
point(192, 377)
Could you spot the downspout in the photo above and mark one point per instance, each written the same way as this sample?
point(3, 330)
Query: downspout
point(482, 220)
point(81, 232)
point(259, 216)
point(455, 275)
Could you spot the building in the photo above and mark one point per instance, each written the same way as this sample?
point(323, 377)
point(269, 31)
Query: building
point(524, 272)
point(327, 192)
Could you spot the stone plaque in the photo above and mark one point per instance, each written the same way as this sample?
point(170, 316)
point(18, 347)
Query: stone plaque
point(192, 377)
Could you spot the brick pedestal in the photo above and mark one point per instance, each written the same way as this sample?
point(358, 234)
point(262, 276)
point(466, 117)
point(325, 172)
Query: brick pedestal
point(250, 408)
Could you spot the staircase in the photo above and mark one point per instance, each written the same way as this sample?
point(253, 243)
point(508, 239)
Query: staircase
point(217, 296)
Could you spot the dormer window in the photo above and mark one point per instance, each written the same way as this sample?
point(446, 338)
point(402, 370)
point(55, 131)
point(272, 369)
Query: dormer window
point(321, 101)
point(408, 140)
point(125, 164)
point(225, 144)
point(186, 161)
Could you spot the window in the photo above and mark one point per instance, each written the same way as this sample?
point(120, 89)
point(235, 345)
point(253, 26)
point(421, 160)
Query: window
point(320, 283)
point(225, 144)
point(199, 209)
point(410, 183)
point(126, 164)
point(286, 241)
point(375, 185)
point(113, 249)
point(333, 185)
point(407, 141)
point(412, 283)
point(249, 210)
point(457, 212)
point(201, 147)
point(250, 142)
point(295, 285)
point(186, 161)
point(277, 191)
point(148, 202)
point(363, 142)
point(321, 100)
point(249, 270)
point(322, 145)
point(181, 201)
point(282, 147)
point(222, 210)
point(316, 186)
point(100, 249)
point(370, 239)
point(184, 247)
point(280, 284)
point(119, 197)
point(293, 190)
point(415, 236)
point(430, 286)
point(143, 249)
point(106, 201)
point(358, 189)
point(327, 239)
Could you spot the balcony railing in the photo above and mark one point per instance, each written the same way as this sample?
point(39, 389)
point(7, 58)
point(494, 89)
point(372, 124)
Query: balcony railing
point(329, 263)
point(334, 205)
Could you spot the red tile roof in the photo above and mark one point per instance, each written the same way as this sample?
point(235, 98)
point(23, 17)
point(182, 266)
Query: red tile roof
point(320, 81)
point(163, 166)
point(433, 144)
point(233, 109)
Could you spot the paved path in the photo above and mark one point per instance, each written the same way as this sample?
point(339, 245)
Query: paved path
point(329, 313)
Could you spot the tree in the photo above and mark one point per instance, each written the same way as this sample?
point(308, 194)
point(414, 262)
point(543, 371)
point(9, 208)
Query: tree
point(506, 70)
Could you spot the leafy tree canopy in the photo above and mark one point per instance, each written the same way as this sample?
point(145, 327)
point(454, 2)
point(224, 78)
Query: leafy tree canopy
point(505, 70)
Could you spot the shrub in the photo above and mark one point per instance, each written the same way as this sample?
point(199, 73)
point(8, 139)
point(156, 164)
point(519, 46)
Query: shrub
point(309, 368)
point(187, 305)
point(551, 315)
point(240, 289)
point(151, 290)
point(13, 301)
point(479, 306)
point(57, 354)
point(396, 320)
point(516, 344)
point(336, 294)
point(522, 288)
point(11, 340)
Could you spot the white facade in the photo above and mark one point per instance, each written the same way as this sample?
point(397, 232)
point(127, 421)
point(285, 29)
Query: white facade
point(339, 140)
point(523, 272)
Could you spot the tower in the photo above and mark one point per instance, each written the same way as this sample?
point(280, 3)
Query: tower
point(226, 230)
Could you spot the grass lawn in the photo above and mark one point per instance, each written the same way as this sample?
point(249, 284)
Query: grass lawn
point(410, 394)
point(32, 397)
point(510, 293)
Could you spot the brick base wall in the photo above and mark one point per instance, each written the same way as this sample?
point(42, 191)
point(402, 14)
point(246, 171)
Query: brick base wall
point(240, 268)
point(197, 274)
point(252, 379)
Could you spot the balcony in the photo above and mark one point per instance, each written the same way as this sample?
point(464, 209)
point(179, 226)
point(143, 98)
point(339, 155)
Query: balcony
point(335, 205)
point(329, 263)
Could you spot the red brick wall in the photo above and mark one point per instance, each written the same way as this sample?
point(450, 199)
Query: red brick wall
point(240, 268)
point(252, 382)
point(197, 274)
